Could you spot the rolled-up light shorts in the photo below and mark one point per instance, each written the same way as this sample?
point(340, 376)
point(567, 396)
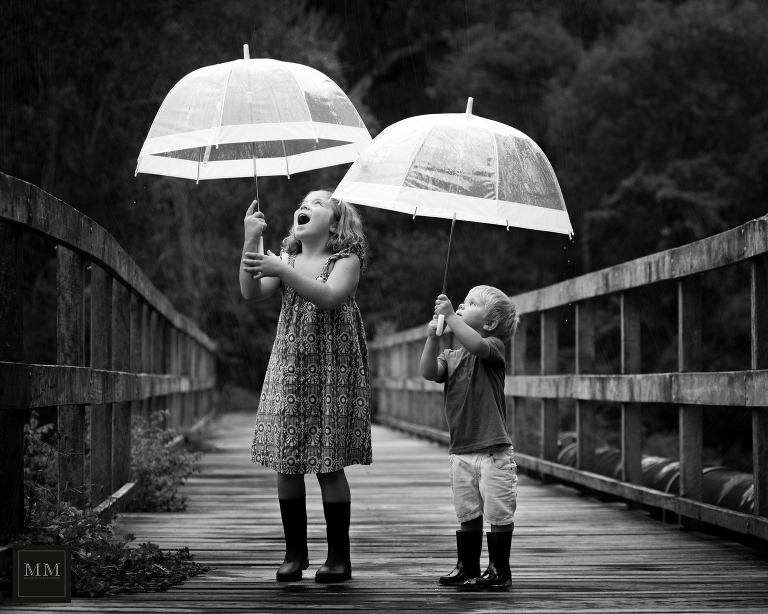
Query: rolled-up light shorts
point(485, 484)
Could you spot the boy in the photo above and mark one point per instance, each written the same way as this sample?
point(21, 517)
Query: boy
point(483, 472)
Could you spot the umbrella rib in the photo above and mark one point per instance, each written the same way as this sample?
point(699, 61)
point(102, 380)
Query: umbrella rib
point(223, 101)
point(413, 159)
point(277, 110)
point(287, 170)
point(306, 104)
point(498, 171)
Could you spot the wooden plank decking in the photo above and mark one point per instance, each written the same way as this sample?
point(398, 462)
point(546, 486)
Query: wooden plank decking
point(570, 553)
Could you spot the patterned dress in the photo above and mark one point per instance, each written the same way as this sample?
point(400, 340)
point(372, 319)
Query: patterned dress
point(315, 407)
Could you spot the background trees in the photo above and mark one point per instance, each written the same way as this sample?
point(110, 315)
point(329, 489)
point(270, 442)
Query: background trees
point(653, 114)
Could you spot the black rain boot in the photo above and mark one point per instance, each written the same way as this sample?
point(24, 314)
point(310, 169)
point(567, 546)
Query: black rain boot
point(294, 515)
point(468, 545)
point(337, 566)
point(498, 576)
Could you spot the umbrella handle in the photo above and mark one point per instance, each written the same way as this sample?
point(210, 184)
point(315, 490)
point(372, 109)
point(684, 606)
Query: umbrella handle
point(260, 249)
point(440, 325)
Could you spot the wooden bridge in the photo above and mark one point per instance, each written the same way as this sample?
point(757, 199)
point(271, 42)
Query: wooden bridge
point(571, 552)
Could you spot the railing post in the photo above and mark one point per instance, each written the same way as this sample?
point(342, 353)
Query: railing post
point(121, 361)
point(631, 427)
point(759, 329)
point(210, 369)
point(420, 409)
point(548, 450)
point(586, 426)
point(173, 367)
point(136, 343)
point(186, 370)
point(373, 365)
point(146, 353)
point(191, 415)
point(154, 363)
point(197, 396)
point(690, 416)
point(70, 350)
point(391, 395)
point(520, 404)
point(101, 358)
point(11, 350)
point(161, 366)
point(400, 396)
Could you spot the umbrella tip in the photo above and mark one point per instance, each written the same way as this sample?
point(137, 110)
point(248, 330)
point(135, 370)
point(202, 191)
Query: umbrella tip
point(469, 107)
point(247, 56)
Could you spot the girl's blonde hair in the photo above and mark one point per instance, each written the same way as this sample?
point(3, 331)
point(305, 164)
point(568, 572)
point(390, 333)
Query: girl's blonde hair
point(348, 234)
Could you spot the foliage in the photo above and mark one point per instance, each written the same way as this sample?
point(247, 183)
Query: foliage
point(158, 468)
point(101, 563)
point(40, 468)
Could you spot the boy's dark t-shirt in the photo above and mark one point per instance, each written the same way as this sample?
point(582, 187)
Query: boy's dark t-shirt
point(474, 398)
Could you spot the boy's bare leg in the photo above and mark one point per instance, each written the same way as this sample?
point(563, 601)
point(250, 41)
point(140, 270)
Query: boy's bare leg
point(502, 528)
point(476, 524)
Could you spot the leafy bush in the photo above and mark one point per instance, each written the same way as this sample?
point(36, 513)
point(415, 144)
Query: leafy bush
point(158, 468)
point(102, 564)
point(41, 476)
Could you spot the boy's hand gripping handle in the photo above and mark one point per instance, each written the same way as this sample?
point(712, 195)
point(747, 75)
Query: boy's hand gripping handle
point(441, 318)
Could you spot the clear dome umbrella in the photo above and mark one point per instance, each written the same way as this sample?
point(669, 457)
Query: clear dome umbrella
point(252, 118)
point(458, 166)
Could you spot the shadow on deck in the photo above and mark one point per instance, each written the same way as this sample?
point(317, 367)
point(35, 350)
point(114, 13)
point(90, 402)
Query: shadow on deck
point(570, 553)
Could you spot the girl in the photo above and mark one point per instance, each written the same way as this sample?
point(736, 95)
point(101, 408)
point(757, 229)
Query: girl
point(314, 412)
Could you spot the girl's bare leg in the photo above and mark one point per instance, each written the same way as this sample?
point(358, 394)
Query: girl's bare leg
point(290, 486)
point(334, 487)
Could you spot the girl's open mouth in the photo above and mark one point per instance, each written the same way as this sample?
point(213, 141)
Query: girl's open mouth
point(302, 219)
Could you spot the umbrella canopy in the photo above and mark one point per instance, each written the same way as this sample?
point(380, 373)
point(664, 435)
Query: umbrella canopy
point(461, 166)
point(252, 117)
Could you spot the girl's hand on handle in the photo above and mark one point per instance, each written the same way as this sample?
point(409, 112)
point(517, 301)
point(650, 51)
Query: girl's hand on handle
point(254, 223)
point(263, 265)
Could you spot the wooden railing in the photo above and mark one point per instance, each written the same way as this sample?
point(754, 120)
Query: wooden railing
point(404, 399)
point(144, 355)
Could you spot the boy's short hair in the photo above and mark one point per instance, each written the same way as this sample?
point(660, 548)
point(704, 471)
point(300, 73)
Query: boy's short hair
point(499, 307)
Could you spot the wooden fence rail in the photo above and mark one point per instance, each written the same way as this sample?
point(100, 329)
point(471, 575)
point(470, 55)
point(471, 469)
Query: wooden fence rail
point(405, 400)
point(144, 355)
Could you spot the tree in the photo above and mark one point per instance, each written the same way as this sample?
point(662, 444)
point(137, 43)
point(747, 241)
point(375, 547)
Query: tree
point(667, 119)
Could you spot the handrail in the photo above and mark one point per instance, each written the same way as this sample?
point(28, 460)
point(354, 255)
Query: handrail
point(28, 386)
point(733, 388)
point(404, 400)
point(26, 204)
point(144, 356)
point(742, 243)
